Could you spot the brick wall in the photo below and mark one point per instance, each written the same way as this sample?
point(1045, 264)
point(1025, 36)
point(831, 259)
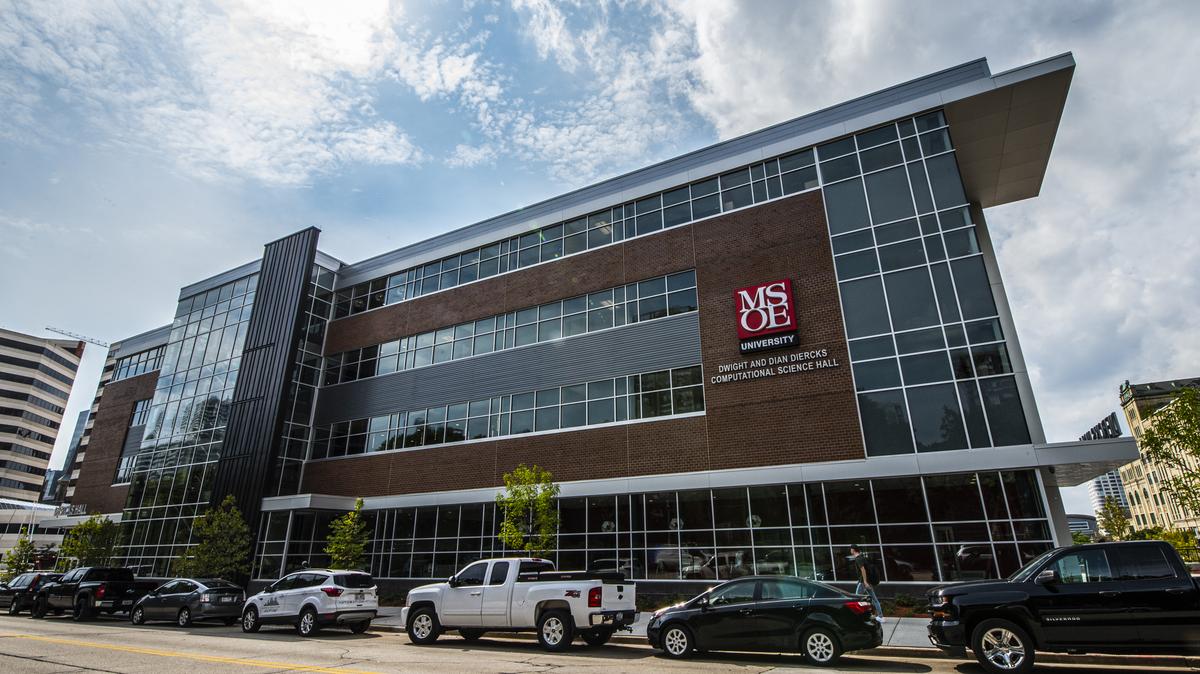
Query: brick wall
point(94, 486)
point(789, 418)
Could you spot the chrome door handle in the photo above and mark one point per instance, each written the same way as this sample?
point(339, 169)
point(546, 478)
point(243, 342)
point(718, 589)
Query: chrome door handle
point(1109, 594)
point(745, 611)
point(1175, 590)
point(476, 594)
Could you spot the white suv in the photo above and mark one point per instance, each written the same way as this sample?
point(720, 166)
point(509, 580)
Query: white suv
point(313, 598)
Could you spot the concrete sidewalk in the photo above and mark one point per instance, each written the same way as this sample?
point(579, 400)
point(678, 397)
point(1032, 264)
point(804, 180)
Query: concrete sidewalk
point(897, 632)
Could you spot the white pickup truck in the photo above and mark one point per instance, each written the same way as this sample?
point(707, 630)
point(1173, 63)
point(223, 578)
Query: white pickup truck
point(517, 594)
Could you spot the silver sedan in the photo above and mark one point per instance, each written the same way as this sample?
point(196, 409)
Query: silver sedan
point(184, 600)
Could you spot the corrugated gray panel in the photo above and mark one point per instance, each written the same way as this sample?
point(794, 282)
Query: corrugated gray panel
point(449, 243)
point(642, 347)
point(138, 343)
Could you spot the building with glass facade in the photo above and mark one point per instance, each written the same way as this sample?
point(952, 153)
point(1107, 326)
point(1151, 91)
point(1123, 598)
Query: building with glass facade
point(739, 360)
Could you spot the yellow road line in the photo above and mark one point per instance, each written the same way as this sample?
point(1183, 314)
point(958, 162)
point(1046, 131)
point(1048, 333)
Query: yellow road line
point(190, 656)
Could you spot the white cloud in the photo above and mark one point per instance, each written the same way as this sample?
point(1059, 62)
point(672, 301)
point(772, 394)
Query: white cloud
point(466, 156)
point(269, 90)
point(546, 26)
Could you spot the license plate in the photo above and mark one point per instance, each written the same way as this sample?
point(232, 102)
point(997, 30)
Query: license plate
point(227, 600)
point(127, 602)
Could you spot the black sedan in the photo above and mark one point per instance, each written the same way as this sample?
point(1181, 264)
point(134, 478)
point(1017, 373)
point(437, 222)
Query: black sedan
point(768, 613)
point(18, 593)
point(184, 600)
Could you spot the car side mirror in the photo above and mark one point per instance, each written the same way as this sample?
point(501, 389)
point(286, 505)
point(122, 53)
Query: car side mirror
point(452, 581)
point(704, 604)
point(1046, 577)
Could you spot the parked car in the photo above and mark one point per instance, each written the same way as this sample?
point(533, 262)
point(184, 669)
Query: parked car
point(315, 598)
point(768, 613)
point(89, 590)
point(1130, 597)
point(184, 600)
point(519, 594)
point(18, 593)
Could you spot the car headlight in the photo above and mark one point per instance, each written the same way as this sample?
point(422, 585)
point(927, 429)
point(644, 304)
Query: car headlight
point(939, 600)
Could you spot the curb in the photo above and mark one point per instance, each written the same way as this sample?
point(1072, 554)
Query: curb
point(1132, 661)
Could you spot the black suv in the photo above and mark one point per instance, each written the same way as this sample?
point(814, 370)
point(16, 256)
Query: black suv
point(1134, 597)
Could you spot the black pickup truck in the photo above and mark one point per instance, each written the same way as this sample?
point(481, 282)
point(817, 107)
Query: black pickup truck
point(1133, 597)
point(89, 590)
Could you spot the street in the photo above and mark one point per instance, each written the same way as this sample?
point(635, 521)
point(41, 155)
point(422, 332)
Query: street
point(110, 645)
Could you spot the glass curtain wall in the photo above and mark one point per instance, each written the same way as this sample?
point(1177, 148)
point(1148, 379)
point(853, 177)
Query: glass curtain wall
point(930, 360)
point(925, 529)
point(172, 475)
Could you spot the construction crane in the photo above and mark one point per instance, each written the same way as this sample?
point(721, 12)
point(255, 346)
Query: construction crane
point(78, 336)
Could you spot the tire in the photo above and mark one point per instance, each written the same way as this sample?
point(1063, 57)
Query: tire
point(137, 616)
point(1002, 647)
point(306, 624)
point(360, 627)
point(423, 627)
point(470, 635)
point(14, 608)
point(81, 611)
point(820, 647)
point(39, 608)
point(184, 618)
point(598, 636)
point(250, 621)
point(555, 630)
point(677, 641)
point(229, 621)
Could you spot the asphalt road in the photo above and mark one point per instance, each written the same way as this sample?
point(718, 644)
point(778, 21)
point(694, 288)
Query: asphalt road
point(57, 645)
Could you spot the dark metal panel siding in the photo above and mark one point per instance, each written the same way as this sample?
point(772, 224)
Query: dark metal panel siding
point(642, 347)
point(248, 453)
point(615, 187)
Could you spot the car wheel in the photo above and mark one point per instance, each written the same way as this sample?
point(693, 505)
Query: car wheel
point(81, 611)
point(184, 619)
point(555, 630)
point(14, 608)
point(1001, 646)
point(250, 620)
point(360, 627)
point(39, 608)
point(423, 627)
point(471, 635)
point(306, 624)
point(820, 647)
point(677, 641)
point(138, 615)
point(597, 637)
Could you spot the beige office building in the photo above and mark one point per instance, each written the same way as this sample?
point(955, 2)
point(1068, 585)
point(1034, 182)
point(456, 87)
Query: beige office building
point(36, 375)
point(1149, 504)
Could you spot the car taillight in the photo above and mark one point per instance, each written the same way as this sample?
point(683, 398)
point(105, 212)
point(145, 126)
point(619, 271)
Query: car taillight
point(594, 597)
point(859, 607)
point(333, 591)
point(100, 590)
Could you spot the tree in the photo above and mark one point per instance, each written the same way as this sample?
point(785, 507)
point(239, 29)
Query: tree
point(21, 557)
point(1114, 520)
point(1080, 538)
point(92, 542)
point(1172, 442)
point(347, 540)
point(528, 498)
point(222, 548)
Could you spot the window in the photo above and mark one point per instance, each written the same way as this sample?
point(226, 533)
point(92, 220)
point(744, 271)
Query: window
point(472, 575)
point(733, 593)
point(787, 589)
point(499, 573)
point(885, 423)
point(1085, 566)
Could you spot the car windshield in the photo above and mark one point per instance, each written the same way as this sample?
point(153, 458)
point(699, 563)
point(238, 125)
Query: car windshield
point(354, 580)
point(218, 584)
point(1026, 571)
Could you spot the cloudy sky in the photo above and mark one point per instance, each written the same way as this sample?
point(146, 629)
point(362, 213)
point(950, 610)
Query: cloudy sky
point(147, 144)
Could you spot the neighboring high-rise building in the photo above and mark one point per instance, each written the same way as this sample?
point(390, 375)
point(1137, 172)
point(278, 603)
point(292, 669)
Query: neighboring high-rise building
point(742, 359)
point(1084, 524)
point(1149, 504)
point(1109, 484)
point(36, 375)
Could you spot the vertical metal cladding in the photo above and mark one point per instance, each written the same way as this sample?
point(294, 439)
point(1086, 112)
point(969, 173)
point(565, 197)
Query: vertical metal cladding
point(272, 338)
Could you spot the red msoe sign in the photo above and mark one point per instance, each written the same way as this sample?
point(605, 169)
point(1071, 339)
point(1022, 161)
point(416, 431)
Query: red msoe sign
point(763, 310)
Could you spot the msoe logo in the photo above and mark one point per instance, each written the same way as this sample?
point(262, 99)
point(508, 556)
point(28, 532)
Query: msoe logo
point(766, 318)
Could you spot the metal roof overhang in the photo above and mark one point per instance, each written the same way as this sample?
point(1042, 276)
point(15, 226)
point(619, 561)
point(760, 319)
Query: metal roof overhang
point(1003, 135)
